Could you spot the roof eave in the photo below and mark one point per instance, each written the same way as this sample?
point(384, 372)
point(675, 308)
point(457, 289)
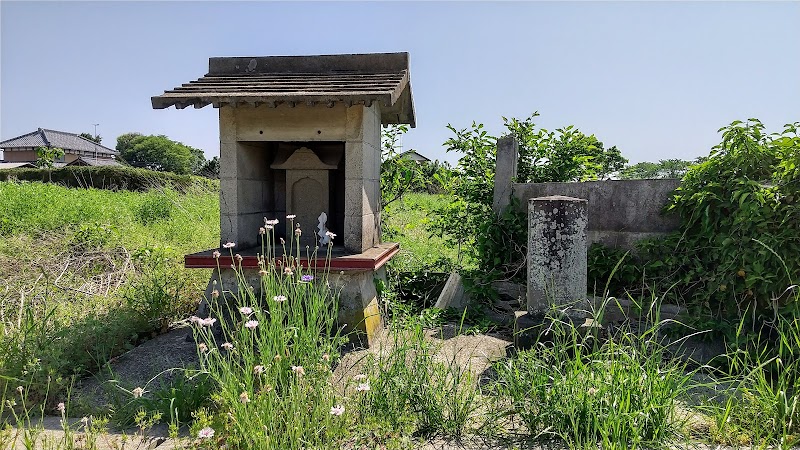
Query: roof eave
point(394, 110)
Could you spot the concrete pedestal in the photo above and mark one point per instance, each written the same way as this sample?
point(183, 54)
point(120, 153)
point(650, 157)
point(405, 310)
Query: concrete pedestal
point(351, 276)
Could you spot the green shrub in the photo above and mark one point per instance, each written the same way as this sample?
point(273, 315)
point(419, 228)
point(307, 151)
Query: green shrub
point(737, 245)
point(497, 244)
point(109, 177)
point(93, 235)
point(154, 207)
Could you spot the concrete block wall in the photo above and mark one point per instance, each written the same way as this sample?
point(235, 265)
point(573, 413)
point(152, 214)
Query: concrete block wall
point(621, 212)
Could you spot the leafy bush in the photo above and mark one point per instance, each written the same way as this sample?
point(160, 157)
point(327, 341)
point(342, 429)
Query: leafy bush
point(565, 154)
point(739, 212)
point(737, 245)
point(401, 174)
point(611, 270)
point(93, 235)
point(497, 244)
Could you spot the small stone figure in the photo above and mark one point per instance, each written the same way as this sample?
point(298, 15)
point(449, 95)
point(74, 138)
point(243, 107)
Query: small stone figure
point(323, 231)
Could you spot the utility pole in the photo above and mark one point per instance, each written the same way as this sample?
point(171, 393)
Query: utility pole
point(95, 140)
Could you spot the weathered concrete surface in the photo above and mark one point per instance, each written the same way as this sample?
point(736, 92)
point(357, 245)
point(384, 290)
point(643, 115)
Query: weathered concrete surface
point(254, 144)
point(150, 362)
point(453, 294)
point(48, 433)
point(362, 199)
point(510, 291)
point(505, 172)
point(359, 314)
point(620, 211)
point(557, 252)
point(474, 353)
point(254, 139)
point(532, 328)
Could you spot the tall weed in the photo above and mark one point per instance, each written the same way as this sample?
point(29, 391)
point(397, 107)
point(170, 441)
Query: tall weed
point(414, 386)
point(616, 392)
point(271, 357)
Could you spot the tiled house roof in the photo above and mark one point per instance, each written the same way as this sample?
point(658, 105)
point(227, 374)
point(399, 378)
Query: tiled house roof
point(81, 161)
point(52, 138)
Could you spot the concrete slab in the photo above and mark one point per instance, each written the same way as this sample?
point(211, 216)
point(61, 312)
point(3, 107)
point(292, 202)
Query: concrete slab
point(48, 433)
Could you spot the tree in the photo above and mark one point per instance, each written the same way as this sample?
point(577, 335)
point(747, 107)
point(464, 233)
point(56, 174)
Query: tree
point(88, 136)
point(159, 153)
point(46, 156)
point(397, 173)
point(565, 154)
point(665, 168)
point(125, 141)
point(210, 168)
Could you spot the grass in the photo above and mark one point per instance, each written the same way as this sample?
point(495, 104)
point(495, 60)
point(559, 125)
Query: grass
point(766, 373)
point(619, 391)
point(408, 222)
point(282, 382)
point(87, 274)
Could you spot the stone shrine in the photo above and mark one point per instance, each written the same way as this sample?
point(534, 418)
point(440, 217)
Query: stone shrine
point(300, 135)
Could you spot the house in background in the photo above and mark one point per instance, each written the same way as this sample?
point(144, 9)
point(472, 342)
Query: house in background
point(414, 156)
point(16, 165)
point(77, 150)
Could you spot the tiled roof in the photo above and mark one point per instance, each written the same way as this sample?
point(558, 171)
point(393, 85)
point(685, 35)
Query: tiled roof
point(311, 80)
point(412, 153)
point(15, 165)
point(86, 161)
point(53, 138)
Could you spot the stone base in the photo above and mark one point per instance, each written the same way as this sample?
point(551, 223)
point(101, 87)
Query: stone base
point(358, 317)
point(530, 329)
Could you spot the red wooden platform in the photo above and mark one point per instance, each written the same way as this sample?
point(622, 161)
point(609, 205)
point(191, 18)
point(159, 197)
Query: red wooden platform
point(371, 259)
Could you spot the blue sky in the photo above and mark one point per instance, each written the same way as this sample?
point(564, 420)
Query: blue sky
point(655, 79)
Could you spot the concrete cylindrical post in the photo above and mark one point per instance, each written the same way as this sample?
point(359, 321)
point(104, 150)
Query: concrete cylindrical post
point(557, 251)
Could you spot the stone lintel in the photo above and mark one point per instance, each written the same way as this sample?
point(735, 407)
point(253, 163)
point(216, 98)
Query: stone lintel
point(304, 159)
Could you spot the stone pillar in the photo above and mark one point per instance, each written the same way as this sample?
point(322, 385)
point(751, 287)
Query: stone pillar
point(362, 197)
point(228, 177)
point(557, 252)
point(505, 172)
